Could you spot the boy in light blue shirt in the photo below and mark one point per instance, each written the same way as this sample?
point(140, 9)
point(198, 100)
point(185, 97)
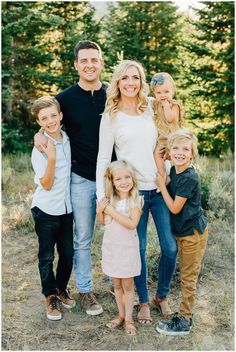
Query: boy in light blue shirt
point(51, 207)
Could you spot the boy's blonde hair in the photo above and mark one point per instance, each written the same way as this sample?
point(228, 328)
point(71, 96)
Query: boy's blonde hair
point(44, 102)
point(113, 92)
point(183, 134)
point(160, 78)
point(110, 190)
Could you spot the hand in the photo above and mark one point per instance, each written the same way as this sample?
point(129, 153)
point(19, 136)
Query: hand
point(161, 180)
point(160, 152)
point(166, 155)
point(39, 140)
point(49, 150)
point(108, 210)
point(101, 205)
point(165, 103)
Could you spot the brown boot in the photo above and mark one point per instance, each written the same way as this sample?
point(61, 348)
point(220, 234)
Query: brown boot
point(53, 309)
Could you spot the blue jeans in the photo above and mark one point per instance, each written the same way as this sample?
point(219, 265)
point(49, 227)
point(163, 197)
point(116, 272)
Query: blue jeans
point(154, 203)
point(54, 230)
point(83, 198)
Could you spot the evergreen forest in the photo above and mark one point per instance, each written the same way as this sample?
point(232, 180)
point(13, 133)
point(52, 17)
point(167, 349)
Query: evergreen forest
point(38, 39)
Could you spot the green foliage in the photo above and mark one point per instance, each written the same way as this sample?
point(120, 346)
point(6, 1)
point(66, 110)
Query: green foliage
point(38, 39)
point(144, 31)
point(211, 76)
point(37, 59)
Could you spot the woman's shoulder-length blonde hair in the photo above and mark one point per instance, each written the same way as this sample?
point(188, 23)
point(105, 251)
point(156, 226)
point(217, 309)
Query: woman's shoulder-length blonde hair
point(113, 92)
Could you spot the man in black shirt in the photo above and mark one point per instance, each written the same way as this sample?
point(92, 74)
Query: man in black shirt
point(82, 105)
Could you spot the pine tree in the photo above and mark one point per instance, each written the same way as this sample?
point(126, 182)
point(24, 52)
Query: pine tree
point(38, 39)
point(144, 31)
point(212, 76)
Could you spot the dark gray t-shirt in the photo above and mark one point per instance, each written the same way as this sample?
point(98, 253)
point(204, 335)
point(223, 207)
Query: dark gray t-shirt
point(187, 185)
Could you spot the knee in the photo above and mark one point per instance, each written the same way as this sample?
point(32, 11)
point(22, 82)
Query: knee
point(128, 286)
point(170, 253)
point(117, 285)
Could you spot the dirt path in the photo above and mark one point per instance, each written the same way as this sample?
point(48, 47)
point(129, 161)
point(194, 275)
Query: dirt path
point(25, 327)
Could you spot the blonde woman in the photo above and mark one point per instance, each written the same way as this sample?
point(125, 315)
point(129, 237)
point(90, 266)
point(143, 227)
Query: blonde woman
point(120, 211)
point(127, 125)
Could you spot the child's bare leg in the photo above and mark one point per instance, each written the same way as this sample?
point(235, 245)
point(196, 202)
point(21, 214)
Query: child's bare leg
point(128, 287)
point(119, 295)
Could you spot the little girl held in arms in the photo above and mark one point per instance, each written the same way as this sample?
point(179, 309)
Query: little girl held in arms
point(120, 212)
point(168, 114)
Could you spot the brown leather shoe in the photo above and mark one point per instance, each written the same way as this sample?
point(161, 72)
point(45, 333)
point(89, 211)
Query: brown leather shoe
point(65, 298)
point(53, 309)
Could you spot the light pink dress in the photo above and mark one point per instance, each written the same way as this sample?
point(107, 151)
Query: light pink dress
point(120, 248)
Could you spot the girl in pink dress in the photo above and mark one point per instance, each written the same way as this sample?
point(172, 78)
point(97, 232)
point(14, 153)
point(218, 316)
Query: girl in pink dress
point(120, 212)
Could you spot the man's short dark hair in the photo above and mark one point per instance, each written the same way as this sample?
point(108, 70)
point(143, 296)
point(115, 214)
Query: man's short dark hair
point(86, 44)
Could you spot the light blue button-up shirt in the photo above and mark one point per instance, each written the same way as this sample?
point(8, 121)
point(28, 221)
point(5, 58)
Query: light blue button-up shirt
point(57, 200)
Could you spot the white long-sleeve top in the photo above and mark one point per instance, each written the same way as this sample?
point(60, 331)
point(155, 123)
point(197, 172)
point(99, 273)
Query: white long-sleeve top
point(134, 139)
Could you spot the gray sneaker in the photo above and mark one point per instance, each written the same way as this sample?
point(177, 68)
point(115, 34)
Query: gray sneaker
point(90, 304)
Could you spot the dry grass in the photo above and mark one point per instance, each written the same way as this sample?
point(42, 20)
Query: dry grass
point(25, 327)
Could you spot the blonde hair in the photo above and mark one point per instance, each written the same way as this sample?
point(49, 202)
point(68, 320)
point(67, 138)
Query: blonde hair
point(111, 192)
point(184, 134)
point(113, 92)
point(44, 102)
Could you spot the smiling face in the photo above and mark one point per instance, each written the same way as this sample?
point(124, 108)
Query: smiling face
point(123, 182)
point(88, 65)
point(181, 154)
point(50, 119)
point(164, 91)
point(130, 83)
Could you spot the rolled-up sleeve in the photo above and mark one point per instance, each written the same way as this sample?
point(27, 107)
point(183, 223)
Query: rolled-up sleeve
point(39, 162)
point(106, 143)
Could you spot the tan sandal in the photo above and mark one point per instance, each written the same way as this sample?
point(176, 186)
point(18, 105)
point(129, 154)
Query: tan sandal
point(114, 323)
point(144, 317)
point(130, 329)
point(165, 312)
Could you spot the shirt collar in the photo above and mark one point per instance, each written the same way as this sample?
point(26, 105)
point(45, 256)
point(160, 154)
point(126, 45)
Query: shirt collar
point(65, 138)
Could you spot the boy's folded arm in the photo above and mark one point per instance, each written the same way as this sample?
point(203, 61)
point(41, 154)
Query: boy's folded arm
point(175, 205)
point(48, 179)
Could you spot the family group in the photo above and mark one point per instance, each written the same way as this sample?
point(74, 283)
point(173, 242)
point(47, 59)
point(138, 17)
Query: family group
point(124, 155)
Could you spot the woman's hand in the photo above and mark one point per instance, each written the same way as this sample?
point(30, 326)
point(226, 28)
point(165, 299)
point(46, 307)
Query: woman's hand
point(102, 204)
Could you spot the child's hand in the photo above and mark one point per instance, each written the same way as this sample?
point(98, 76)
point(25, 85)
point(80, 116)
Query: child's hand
point(101, 205)
point(161, 180)
point(39, 140)
point(49, 150)
point(165, 103)
point(160, 152)
point(166, 155)
point(108, 210)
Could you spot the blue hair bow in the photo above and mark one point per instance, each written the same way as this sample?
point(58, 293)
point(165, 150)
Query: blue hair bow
point(157, 80)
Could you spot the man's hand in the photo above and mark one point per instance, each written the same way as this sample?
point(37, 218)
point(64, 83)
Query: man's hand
point(39, 141)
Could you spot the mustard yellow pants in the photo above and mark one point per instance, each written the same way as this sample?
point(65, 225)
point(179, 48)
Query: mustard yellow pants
point(191, 250)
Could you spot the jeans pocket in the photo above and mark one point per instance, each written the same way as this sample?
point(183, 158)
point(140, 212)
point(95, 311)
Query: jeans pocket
point(76, 179)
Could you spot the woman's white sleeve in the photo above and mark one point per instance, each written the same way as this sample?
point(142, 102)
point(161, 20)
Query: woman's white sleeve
point(106, 143)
